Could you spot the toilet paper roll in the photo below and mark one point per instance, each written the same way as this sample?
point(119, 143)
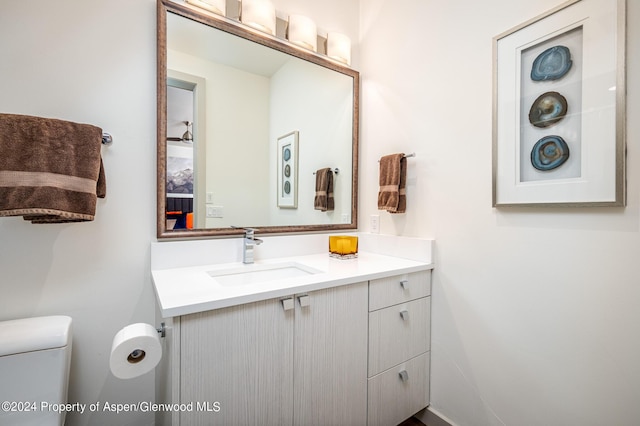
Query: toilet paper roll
point(136, 350)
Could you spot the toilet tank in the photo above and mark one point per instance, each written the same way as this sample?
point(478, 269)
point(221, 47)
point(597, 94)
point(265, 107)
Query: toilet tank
point(35, 354)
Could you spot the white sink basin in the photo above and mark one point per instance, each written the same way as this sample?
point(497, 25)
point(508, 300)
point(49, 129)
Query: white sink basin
point(259, 273)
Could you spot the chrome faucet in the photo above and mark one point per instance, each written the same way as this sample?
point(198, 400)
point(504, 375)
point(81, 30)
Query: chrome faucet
point(249, 242)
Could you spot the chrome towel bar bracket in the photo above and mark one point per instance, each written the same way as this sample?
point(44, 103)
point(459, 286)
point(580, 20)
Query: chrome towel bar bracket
point(107, 139)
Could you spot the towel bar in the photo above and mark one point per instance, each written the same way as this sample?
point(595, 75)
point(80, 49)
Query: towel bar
point(335, 171)
point(107, 139)
point(413, 154)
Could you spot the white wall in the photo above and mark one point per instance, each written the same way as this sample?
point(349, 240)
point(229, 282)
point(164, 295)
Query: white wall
point(512, 343)
point(232, 97)
point(535, 311)
point(91, 62)
point(322, 114)
point(95, 62)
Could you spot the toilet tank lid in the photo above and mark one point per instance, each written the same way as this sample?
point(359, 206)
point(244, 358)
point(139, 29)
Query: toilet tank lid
point(34, 334)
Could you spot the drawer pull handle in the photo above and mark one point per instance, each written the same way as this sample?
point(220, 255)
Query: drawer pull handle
point(404, 284)
point(404, 376)
point(287, 304)
point(304, 301)
point(404, 314)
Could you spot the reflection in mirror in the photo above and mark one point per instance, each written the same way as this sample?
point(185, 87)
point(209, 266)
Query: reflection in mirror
point(186, 151)
point(226, 97)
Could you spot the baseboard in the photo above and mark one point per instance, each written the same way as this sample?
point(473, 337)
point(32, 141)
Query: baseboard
point(431, 417)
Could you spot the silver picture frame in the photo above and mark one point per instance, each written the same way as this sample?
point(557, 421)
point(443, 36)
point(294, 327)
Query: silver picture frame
point(575, 53)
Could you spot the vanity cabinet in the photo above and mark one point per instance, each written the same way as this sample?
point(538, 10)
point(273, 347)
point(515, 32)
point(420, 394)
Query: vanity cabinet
point(299, 360)
point(241, 358)
point(399, 347)
point(330, 346)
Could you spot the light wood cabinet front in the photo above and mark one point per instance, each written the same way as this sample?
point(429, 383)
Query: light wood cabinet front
point(399, 347)
point(398, 333)
point(240, 357)
point(399, 392)
point(352, 355)
point(330, 374)
point(267, 363)
point(389, 291)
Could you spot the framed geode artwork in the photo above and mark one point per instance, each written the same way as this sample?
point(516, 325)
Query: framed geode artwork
point(559, 108)
point(288, 171)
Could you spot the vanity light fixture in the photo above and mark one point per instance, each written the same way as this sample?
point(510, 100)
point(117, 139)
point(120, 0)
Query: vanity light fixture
point(302, 31)
point(339, 47)
point(216, 6)
point(259, 14)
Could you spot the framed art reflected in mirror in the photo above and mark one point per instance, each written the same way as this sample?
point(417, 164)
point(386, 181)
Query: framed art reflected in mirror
point(288, 171)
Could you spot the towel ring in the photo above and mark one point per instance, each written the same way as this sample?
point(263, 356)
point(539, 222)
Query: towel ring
point(335, 171)
point(107, 139)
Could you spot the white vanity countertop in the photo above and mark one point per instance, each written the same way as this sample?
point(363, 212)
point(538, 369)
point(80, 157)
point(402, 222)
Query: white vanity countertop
point(187, 290)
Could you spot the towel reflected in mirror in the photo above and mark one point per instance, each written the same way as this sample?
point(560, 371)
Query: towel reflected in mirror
point(323, 200)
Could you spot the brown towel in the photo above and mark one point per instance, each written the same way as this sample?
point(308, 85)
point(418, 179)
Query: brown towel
point(393, 181)
point(50, 170)
point(323, 200)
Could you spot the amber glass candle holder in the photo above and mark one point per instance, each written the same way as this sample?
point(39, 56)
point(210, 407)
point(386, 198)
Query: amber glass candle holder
point(343, 246)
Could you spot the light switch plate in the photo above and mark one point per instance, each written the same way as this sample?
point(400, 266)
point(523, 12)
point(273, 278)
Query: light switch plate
point(215, 211)
point(374, 222)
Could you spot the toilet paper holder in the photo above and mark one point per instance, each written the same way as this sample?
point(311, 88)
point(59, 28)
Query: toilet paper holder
point(136, 350)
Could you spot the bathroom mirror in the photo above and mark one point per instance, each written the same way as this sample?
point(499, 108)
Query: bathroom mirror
point(245, 120)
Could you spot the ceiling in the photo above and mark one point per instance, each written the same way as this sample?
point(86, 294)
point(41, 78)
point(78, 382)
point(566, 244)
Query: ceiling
point(196, 39)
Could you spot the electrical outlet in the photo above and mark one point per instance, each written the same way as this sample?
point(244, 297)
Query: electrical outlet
point(209, 197)
point(374, 223)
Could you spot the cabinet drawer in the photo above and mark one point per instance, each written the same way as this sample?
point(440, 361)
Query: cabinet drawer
point(395, 396)
point(398, 333)
point(389, 291)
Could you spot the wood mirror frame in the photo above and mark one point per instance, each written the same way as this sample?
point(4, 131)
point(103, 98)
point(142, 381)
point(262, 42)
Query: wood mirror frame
point(240, 30)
